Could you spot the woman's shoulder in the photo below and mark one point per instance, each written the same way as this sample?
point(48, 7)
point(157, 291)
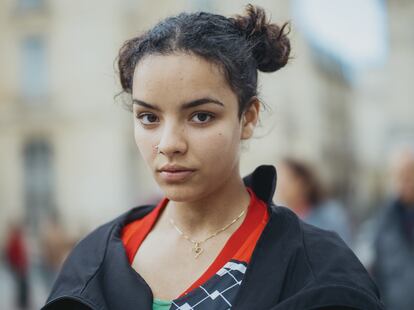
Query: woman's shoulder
point(89, 253)
point(327, 256)
point(317, 262)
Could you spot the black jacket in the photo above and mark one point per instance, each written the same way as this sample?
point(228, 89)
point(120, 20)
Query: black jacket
point(295, 266)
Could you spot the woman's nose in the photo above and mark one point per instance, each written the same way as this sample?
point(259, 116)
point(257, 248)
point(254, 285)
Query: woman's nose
point(172, 141)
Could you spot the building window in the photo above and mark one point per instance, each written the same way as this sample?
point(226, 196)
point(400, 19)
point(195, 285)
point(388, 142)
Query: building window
point(38, 179)
point(34, 67)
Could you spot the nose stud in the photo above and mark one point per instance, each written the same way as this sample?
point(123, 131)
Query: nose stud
point(157, 149)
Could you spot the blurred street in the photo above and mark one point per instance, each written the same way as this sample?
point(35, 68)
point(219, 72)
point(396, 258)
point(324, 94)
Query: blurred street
point(38, 291)
point(337, 124)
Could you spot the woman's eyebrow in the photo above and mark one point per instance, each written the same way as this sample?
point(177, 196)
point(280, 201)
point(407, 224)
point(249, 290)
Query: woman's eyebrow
point(187, 105)
point(197, 102)
point(146, 105)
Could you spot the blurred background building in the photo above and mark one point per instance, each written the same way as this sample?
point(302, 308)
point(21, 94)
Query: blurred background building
point(67, 153)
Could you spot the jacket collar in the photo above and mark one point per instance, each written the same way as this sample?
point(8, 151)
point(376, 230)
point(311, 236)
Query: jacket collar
point(263, 182)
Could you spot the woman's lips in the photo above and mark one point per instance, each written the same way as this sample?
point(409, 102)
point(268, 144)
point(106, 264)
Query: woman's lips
point(175, 176)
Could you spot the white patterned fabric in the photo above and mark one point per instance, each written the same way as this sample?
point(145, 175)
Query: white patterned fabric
point(217, 293)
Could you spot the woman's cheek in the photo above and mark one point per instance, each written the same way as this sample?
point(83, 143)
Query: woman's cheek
point(144, 143)
point(217, 146)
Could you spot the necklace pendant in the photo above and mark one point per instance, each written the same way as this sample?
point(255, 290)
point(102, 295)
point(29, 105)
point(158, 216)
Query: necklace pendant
point(197, 249)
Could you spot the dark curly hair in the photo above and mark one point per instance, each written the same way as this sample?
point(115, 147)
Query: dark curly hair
point(239, 45)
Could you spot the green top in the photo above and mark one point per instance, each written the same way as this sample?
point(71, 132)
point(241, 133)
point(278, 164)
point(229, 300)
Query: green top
point(159, 304)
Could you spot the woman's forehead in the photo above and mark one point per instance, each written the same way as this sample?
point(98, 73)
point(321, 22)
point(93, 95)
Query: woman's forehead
point(179, 77)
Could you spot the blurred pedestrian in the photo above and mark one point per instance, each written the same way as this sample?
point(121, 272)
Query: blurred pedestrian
point(17, 259)
point(393, 240)
point(300, 189)
point(55, 245)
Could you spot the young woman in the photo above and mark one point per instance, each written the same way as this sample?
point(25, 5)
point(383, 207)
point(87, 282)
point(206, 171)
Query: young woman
point(216, 241)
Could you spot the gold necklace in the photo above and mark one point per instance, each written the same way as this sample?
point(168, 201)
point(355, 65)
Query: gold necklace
point(197, 249)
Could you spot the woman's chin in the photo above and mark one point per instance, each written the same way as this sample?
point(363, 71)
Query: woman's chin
point(182, 193)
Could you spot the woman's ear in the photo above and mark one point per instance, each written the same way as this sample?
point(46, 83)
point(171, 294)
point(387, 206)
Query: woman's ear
point(250, 118)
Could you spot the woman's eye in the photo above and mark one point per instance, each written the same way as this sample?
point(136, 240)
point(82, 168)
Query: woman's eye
point(202, 117)
point(148, 118)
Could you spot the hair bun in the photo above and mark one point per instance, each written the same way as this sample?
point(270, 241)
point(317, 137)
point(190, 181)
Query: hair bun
point(271, 46)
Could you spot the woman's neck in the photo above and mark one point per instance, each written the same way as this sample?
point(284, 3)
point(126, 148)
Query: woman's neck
point(202, 217)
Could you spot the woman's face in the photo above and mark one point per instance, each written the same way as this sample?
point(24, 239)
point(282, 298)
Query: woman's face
point(183, 105)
